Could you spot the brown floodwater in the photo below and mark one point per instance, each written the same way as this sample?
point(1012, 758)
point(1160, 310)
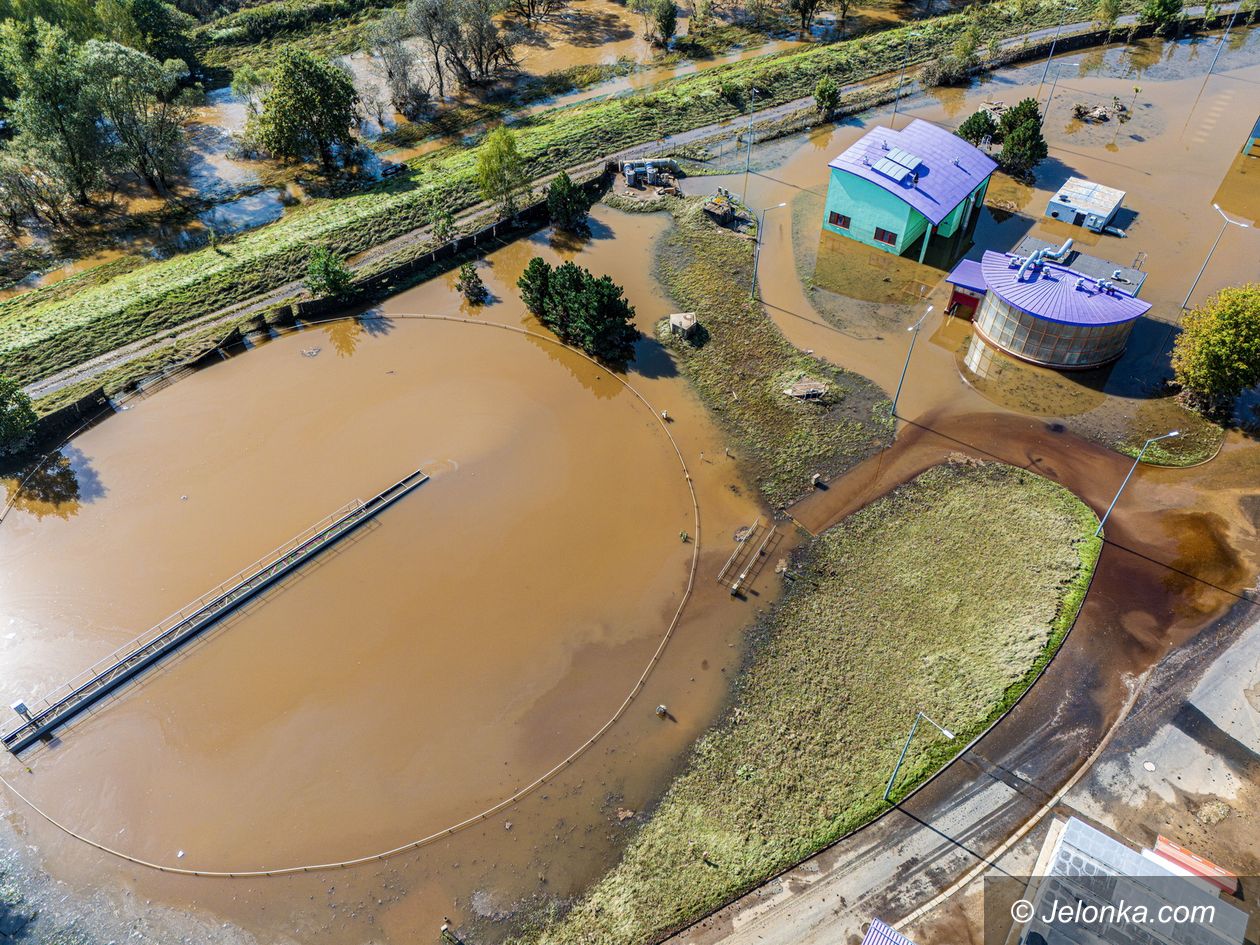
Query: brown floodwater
point(462, 645)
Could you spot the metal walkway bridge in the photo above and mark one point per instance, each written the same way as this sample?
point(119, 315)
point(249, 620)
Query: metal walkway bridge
point(130, 660)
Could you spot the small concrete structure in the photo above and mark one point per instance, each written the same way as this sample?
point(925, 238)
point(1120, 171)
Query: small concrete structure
point(1252, 146)
point(892, 188)
point(683, 323)
point(807, 388)
point(1084, 203)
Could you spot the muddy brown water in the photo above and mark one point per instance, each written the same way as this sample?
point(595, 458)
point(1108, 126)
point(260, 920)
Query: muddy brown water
point(470, 639)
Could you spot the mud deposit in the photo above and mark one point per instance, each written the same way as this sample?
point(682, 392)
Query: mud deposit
point(467, 641)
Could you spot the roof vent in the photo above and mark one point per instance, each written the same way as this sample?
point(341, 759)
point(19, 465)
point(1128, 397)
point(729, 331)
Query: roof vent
point(884, 143)
point(1016, 261)
point(1080, 284)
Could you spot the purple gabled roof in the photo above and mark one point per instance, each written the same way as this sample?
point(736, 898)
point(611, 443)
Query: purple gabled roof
point(948, 167)
point(1051, 292)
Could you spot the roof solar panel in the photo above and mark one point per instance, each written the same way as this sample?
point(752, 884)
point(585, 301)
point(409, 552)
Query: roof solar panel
point(897, 172)
point(905, 158)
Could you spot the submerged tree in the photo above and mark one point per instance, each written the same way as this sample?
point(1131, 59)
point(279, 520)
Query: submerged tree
point(476, 49)
point(470, 284)
point(408, 88)
point(582, 309)
point(501, 171)
point(434, 22)
point(1022, 149)
point(17, 416)
point(567, 204)
point(140, 100)
point(1217, 355)
point(978, 126)
point(664, 20)
point(805, 10)
point(531, 10)
point(308, 110)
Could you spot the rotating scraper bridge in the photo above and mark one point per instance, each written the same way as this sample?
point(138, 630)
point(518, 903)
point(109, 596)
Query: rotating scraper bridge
point(179, 629)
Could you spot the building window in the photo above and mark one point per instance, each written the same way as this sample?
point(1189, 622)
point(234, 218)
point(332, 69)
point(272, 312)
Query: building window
point(839, 220)
point(885, 236)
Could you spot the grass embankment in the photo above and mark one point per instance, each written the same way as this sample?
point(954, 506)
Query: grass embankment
point(743, 364)
point(34, 344)
point(922, 600)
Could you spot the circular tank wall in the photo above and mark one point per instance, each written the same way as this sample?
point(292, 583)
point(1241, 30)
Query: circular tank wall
point(1049, 343)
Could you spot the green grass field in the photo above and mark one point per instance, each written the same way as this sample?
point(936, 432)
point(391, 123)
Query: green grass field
point(921, 600)
point(41, 338)
point(741, 369)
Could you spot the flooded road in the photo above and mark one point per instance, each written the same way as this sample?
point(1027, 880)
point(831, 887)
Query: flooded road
point(457, 648)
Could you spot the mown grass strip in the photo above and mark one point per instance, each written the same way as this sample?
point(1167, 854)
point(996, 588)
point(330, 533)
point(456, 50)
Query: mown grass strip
point(923, 600)
point(35, 343)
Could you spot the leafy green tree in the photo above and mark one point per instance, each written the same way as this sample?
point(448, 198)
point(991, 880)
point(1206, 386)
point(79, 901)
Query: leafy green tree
point(1163, 14)
point(1107, 13)
point(567, 204)
point(470, 284)
point(501, 171)
point(804, 9)
point(664, 20)
point(1217, 355)
point(54, 113)
point(327, 274)
point(1022, 148)
point(140, 99)
point(17, 416)
point(250, 85)
point(979, 124)
point(307, 111)
point(1024, 112)
point(826, 97)
point(582, 309)
point(150, 26)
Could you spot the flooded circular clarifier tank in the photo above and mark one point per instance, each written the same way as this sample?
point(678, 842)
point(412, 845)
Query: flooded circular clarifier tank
point(458, 647)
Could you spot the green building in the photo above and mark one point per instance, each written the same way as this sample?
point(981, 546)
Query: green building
point(895, 188)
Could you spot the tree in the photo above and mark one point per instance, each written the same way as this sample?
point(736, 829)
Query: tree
point(476, 49)
point(530, 10)
point(151, 26)
point(501, 171)
point(1217, 355)
point(327, 274)
point(826, 97)
point(582, 309)
point(1024, 112)
point(441, 220)
point(804, 9)
point(1163, 14)
point(434, 22)
point(408, 91)
point(567, 204)
point(664, 20)
point(27, 191)
point(470, 284)
point(1022, 148)
point(17, 416)
point(308, 109)
point(53, 112)
point(139, 97)
point(1107, 13)
point(977, 127)
point(250, 85)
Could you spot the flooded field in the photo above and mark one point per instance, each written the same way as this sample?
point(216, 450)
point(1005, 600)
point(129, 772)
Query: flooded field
point(455, 650)
point(847, 301)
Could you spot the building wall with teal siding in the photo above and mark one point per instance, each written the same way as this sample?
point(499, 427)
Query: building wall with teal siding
point(868, 207)
point(949, 226)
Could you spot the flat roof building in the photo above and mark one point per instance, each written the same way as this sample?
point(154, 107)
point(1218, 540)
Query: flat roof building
point(1045, 312)
point(1252, 145)
point(892, 187)
point(1083, 203)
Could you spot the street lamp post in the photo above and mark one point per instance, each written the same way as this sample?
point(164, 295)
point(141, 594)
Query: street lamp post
point(914, 330)
point(1054, 42)
point(752, 110)
point(752, 289)
point(1224, 226)
point(919, 717)
point(1221, 45)
point(905, 60)
point(1132, 470)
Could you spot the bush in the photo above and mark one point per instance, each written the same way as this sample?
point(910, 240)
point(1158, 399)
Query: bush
point(567, 204)
point(17, 417)
point(1025, 112)
point(1163, 14)
point(1217, 355)
point(977, 127)
point(582, 309)
point(1022, 149)
point(327, 274)
point(470, 284)
point(826, 97)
